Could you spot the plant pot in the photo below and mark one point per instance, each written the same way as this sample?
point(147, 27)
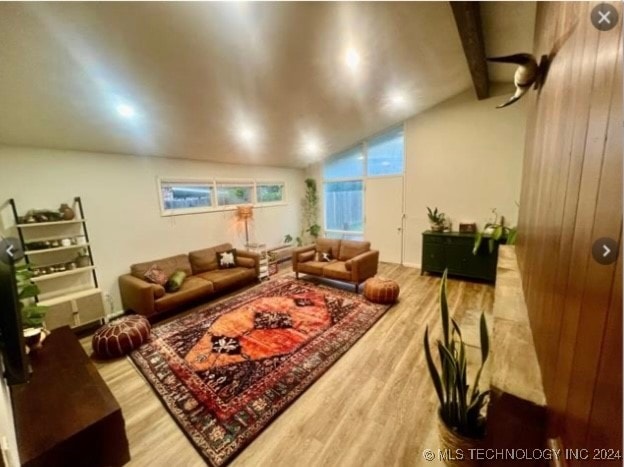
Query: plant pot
point(457, 447)
point(437, 228)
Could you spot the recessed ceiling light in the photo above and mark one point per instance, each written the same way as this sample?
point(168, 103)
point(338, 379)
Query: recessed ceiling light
point(126, 111)
point(397, 99)
point(352, 58)
point(248, 134)
point(312, 147)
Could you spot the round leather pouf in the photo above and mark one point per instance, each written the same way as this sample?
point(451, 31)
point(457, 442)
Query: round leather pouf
point(119, 337)
point(381, 290)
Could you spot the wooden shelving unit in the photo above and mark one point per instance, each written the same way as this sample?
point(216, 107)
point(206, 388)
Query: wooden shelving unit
point(71, 293)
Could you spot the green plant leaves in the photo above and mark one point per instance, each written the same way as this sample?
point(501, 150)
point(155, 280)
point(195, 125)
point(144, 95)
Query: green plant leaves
point(459, 411)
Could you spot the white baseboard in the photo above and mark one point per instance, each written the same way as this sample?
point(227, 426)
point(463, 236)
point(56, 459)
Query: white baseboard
point(412, 265)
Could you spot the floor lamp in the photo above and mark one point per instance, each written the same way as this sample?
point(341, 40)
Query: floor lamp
point(245, 213)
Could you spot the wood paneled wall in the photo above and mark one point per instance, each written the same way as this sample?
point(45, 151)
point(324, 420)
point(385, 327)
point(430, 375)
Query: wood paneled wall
point(571, 196)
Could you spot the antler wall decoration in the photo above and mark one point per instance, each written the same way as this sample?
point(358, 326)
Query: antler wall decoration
point(528, 73)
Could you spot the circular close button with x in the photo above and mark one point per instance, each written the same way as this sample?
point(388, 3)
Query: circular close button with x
point(604, 17)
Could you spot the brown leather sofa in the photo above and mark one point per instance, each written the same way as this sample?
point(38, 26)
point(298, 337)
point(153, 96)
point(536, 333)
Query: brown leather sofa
point(352, 261)
point(204, 278)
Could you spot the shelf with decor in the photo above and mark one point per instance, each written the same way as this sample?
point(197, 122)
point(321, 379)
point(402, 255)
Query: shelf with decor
point(58, 251)
point(261, 250)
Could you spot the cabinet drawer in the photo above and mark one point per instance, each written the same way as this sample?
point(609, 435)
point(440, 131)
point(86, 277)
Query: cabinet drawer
point(434, 257)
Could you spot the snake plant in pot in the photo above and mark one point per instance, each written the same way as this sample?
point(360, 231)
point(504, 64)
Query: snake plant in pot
point(461, 421)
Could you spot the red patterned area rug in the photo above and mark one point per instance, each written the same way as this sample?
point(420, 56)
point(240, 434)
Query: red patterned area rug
point(226, 371)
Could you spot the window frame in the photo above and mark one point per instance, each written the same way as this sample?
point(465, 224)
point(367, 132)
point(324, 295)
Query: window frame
point(364, 149)
point(214, 184)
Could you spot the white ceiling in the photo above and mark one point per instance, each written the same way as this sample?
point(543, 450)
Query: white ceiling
point(200, 75)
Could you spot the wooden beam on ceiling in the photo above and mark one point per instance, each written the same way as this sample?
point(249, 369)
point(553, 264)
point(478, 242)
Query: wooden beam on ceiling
point(468, 19)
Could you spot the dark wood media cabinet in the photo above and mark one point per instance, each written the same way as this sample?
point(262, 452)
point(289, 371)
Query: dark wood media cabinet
point(453, 251)
point(66, 415)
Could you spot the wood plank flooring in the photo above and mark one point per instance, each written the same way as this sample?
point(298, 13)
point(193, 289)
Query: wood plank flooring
point(374, 407)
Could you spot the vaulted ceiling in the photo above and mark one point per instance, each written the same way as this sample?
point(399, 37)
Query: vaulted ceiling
point(254, 83)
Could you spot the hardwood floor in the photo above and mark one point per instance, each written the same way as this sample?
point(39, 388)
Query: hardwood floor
point(375, 406)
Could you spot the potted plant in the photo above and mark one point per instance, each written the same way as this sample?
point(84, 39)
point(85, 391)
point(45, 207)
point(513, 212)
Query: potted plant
point(495, 231)
point(461, 424)
point(310, 211)
point(437, 219)
point(32, 314)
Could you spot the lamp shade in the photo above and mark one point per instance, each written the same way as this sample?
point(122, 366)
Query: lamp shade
point(244, 212)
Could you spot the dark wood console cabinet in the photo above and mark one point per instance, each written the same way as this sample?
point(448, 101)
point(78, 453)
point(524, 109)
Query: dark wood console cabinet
point(453, 250)
point(66, 415)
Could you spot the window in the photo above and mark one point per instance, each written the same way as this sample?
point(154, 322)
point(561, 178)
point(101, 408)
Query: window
point(344, 207)
point(345, 176)
point(232, 194)
point(349, 164)
point(385, 154)
point(185, 197)
point(180, 196)
point(269, 192)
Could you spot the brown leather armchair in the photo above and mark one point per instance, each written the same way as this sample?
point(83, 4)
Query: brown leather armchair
point(344, 260)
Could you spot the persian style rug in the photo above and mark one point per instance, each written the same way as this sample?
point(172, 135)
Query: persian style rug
point(224, 372)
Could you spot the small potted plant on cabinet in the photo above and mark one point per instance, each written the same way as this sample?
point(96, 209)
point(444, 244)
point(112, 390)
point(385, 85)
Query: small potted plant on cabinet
point(461, 423)
point(437, 219)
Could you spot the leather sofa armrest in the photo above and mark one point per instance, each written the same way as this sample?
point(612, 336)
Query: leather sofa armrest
point(302, 254)
point(137, 294)
point(243, 257)
point(363, 265)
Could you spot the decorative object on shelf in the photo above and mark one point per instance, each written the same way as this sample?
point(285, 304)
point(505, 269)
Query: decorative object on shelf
point(83, 260)
point(67, 212)
point(437, 219)
point(310, 207)
point(461, 421)
point(467, 227)
point(495, 231)
point(121, 336)
point(528, 74)
point(34, 337)
point(245, 214)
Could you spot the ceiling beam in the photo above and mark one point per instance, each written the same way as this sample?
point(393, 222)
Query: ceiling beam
point(468, 19)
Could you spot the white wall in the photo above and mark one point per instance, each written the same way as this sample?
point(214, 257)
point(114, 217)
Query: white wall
point(463, 156)
point(120, 199)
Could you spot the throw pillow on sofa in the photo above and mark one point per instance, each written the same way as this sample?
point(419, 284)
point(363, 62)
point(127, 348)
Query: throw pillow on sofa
point(155, 275)
point(175, 281)
point(324, 256)
point(226, 259)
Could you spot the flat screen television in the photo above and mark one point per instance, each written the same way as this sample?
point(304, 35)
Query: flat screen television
point(16, 364)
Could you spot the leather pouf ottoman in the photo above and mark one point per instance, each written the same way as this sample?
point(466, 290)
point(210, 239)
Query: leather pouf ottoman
point(119, 337)
point(381, 290)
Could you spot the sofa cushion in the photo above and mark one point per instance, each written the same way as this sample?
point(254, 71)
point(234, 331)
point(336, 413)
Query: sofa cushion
point(206, 259)
point(312, 267)
point(245, 262)
point(226, 278)
point(155, 275)
point(328, 245)
point(168, 265)
point(226, 259)
point(352, 248)
point(337, 270)
point(175, 281)
point(192, 288)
